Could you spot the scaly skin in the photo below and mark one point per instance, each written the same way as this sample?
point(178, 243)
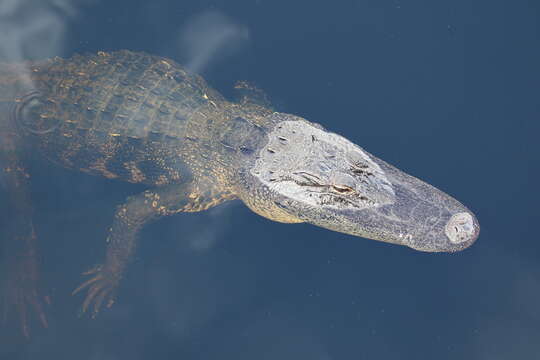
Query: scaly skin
point(144, 119)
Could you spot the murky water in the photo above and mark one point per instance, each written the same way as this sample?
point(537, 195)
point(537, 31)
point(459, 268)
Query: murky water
point(447, 92)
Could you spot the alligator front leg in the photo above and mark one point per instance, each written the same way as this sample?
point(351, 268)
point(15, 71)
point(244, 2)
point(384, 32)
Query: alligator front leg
point(128, 221)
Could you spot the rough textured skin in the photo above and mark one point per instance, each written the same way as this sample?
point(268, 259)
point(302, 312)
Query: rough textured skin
point(144, 119)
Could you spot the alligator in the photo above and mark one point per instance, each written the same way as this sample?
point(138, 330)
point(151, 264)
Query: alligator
point(145, 119)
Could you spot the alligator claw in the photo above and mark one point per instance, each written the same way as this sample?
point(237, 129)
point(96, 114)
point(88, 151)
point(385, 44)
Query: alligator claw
point(101, 289)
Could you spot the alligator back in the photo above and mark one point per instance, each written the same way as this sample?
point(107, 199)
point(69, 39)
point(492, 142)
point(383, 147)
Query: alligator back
point(120, 115)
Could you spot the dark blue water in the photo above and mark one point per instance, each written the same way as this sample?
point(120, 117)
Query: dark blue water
point(446, 91)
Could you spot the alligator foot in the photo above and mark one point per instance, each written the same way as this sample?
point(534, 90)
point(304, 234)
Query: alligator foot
point(101, 290)
point(19, 294)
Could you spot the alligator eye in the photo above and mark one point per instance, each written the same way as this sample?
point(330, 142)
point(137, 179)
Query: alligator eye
point(342, 189)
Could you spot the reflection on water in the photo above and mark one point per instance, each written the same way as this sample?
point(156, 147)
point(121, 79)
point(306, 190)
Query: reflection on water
point(209, 36)
point(32, 29)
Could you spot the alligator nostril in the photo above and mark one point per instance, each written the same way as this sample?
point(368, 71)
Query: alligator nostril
point(460, 228)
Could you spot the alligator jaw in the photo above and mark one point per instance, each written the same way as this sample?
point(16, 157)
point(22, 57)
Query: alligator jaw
point(421, 217)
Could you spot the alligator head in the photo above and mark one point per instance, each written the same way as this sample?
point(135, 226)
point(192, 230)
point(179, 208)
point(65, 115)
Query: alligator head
point(304, 173)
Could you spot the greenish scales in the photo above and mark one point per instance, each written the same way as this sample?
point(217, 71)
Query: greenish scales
point(145, 119)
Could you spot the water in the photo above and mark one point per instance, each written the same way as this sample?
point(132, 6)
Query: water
point(445, 91)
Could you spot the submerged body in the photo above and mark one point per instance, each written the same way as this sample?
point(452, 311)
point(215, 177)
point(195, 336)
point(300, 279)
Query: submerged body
point(144, 119)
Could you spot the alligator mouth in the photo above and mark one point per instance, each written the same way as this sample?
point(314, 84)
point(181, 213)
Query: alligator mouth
point(419, 216)
point(425, 218)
